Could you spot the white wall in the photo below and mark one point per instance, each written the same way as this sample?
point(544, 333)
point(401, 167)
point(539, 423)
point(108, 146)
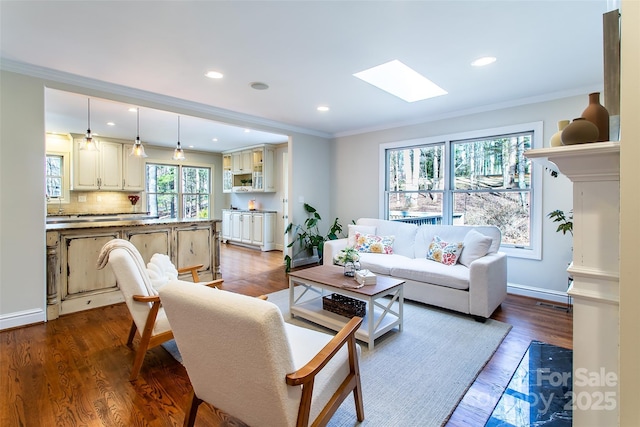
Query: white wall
point(357, 183)
point(22, 201)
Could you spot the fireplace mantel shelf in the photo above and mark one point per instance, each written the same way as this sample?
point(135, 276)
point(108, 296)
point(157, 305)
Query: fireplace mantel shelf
point(597, 161)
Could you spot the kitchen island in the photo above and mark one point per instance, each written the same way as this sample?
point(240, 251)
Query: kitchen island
point(75, 284)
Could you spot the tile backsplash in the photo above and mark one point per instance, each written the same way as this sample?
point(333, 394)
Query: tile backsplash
point(96, 202)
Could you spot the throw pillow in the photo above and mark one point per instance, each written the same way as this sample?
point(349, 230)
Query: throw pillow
point(476, 245)
point(444, 252)
point(374, 244)
point(362, 229)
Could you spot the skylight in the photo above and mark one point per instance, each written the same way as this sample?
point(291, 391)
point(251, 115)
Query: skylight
point(399, 80)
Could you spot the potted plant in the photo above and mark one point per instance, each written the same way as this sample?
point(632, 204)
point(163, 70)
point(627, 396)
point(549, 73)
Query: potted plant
point(309, 238)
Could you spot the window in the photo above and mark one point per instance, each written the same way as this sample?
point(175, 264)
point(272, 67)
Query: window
point(54, 176)
point(481, 179)
point(175, 191)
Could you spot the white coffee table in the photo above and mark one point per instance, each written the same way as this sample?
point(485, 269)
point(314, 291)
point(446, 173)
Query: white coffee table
point(382, 315)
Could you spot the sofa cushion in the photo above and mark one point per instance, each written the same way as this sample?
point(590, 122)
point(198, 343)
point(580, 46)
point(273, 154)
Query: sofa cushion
point(405, 234)
point(381, 263)
point(374, 244)
point(475, 245)
point(424, 270)
point(364, 229)
point(445, 252)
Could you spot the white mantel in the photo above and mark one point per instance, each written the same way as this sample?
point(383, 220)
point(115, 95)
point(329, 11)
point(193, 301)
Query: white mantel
point(594, 169)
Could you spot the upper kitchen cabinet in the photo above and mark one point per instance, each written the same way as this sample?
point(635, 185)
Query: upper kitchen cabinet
point(110, 168)
point(254, 166)
point(241, 162)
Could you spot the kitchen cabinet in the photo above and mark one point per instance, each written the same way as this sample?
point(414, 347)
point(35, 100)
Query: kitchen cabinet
point(132, 170)
point(110, 168)
point(73, 282)
point(251, 170)
point(241, 162)
point(249, 228)
point(227, 173)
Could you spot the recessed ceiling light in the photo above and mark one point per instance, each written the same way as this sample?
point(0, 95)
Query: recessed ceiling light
point(215, 139)
point(214, 74)
point(485, 60)
point(133, 109)
point(322, 108)
point(247, 130)
point(398, 79)
point(191, 146)
point(110, 124)
point(259, 86)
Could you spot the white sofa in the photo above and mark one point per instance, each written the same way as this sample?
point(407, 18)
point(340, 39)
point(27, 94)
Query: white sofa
point(475, 285)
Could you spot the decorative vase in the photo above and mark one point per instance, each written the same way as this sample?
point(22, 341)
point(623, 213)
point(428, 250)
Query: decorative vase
point(597, 114)
point(350, 268)
point(555, 140)
point(579, 131)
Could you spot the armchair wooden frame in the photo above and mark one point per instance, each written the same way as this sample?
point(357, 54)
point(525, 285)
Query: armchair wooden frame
point(147, 339)
point(305, 377)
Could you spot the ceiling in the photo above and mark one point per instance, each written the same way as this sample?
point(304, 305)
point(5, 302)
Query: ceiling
point(307, 52)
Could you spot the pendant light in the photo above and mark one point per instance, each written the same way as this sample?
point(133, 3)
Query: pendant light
point(178, 153)
point(137, 149)
point(89, 143)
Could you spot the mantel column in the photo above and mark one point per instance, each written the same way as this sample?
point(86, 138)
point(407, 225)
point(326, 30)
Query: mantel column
point(594, 170)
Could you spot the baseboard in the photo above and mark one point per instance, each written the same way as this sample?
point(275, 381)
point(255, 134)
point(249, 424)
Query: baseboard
point(22, 318)
point(537, 293)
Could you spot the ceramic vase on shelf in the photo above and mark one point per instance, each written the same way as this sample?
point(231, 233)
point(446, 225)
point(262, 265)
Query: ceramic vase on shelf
point(555, 140)
point(597, 114)
point(579, 131)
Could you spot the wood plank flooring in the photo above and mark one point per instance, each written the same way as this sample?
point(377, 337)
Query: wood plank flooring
point(73, 371)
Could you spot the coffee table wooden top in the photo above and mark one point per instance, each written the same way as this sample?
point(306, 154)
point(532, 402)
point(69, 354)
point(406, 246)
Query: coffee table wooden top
point(333, 275)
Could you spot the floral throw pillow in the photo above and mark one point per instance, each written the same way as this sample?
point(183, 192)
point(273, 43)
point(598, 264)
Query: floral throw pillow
point(374, 244)
point(444, 252)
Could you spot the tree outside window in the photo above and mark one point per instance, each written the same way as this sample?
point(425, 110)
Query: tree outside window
point(483, 182)
point(178, 191)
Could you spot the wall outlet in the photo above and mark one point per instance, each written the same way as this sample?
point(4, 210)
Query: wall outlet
point(301, 199)
point(82, 199)
point(99, 198)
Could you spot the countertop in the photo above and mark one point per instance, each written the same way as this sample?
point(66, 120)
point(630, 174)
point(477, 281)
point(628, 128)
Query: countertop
point(250, 210)
point(123, 223)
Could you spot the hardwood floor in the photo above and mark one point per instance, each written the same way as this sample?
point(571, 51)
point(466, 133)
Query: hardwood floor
point(73, 371)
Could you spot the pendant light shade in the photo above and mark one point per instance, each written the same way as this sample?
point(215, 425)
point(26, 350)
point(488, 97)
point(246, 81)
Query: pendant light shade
point(138, 149)
point(89, 142)
point(178, 153)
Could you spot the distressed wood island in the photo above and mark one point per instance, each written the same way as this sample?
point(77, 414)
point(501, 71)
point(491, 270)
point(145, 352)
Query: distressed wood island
point(73, 282)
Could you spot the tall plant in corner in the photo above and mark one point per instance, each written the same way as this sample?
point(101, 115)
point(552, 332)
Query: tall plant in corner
point(308, 235)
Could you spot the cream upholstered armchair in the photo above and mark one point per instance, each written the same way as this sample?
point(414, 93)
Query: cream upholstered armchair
point(140, 294)
point(242, 358)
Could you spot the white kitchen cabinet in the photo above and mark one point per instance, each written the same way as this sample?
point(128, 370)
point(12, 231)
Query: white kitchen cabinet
point(254, 166)
point(250, 228)
point(132, 170)
point(242, 162)
point(227, 173)
point(110, 168)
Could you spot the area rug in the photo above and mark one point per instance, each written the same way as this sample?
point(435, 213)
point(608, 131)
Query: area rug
point(418, 376)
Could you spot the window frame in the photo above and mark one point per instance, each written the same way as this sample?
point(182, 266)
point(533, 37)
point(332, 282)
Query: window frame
point(534, 251)
point(66, 174)
point(179, 193)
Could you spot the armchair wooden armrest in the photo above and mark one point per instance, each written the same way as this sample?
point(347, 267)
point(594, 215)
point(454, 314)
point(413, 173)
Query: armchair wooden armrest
point(194, 271)
point(305, 376)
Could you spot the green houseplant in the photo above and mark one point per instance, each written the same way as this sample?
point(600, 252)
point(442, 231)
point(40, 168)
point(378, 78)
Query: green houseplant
point(565, 220)
point(308, 236)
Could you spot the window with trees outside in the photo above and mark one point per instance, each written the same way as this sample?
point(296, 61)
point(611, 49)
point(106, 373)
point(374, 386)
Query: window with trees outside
point(483, 180)
point(175, 191)
point(54, 176)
